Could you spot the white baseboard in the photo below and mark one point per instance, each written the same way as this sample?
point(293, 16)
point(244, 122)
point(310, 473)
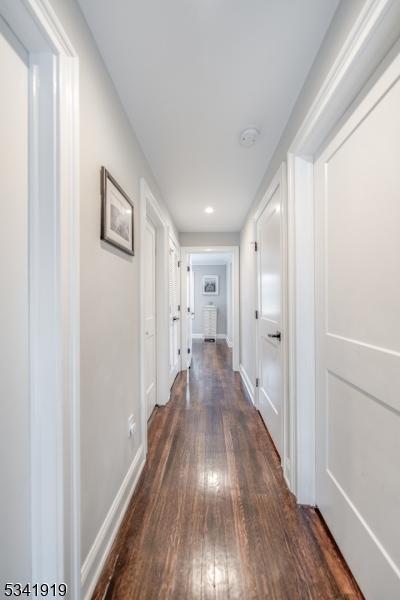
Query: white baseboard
point(98, 553)
point(200, 336)
point(247, 383)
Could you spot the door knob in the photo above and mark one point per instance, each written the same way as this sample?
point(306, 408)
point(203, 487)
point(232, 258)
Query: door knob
point(276, 335)
point(175, 318)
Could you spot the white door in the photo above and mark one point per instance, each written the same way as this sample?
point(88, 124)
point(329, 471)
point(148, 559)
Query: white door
point(174, 312)
point(150, 318)
point(190, 316)
point(15, 506)
point(269, 329)
point(357, 193)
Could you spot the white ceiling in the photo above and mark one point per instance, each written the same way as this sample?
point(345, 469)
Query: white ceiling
point(211, 258)
point(192, 74)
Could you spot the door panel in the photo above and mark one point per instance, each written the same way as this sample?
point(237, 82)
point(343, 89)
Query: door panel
point(270, 367)
point(190, 317)
point(174, 311)
point(357, 191)
point(150, 318)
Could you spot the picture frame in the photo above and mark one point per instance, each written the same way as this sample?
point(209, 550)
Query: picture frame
point(117, 215)
point(210, 286)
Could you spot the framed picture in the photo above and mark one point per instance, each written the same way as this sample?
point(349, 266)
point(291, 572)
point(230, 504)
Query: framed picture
point(117, 220)
point(210, 285)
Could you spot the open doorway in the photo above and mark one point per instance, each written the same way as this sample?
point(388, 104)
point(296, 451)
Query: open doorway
point(210, 300)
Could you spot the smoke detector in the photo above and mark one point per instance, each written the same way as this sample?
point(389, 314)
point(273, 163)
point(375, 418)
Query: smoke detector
point(249, 136)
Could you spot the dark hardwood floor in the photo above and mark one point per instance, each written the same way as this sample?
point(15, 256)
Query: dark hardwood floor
point(212, 516)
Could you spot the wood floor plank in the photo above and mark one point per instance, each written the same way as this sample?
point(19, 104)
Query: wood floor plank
point(212, 518)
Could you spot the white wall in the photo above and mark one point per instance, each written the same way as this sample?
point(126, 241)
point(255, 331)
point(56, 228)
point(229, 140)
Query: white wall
point(220, 301)
point(342, 22)
point(109, 285)
point(209, 239)
point(15, 558)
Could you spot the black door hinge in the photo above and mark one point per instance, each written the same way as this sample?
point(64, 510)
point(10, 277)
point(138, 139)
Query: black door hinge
point(255, 246)
point(188, 269)
point(188, 309)
point(179, 351)
point(179, 263)
point(179, 308)
point(188, 350)
point(256, 314)
point(257, 382)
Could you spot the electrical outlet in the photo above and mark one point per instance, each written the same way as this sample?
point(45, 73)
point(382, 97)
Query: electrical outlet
point(131, 427)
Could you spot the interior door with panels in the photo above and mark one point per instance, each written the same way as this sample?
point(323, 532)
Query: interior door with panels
point(190, 312)
point(174, 310)
point(357, 198)
point(270, 268)
point(150, 318)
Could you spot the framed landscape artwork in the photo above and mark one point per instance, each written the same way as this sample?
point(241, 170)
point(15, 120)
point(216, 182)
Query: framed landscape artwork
point(210, 285)
point(117, 219)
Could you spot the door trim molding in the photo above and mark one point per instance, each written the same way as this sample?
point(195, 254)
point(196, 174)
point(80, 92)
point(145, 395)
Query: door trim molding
point(234, 250)
point(54, 291)
point(279, 180)
point(373, 34)
point(150, 209)
point(172, 241)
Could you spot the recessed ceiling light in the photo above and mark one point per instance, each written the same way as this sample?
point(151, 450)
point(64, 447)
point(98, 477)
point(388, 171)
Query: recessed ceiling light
point(209, 210)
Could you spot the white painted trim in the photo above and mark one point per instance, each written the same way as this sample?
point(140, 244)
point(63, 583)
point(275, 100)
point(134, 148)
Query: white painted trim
point(371, 37)
point(172, 373)
point(54, 291)
point(279, 181)
point(200, 336)
point(234, 251)
point(247, 383)
point(214, 264)
point(98, 553)
point(172, 236)
point(149, 208)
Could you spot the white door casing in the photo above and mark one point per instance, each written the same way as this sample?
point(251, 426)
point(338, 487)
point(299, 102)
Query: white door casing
point(150, 342)
point(366, 49)
point(189, 312)
point(357, 191)
point(15, 524)
point(187, 299)
point(151, 211)
point(174, 311)
point(53, 291)
point(270, 227)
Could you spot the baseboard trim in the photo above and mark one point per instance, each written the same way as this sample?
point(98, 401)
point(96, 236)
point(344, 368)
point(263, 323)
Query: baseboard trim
point(98, 553)
point(247, 383)
point(200, 336)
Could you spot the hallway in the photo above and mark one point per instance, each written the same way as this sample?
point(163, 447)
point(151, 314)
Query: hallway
point(212, 516)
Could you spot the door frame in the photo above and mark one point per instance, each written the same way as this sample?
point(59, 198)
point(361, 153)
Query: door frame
point(369, 41)
point(150, 209)
point(234, 251)
point(53, 291)
point(172, 240)
point(151, 227)
point(279, 180)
